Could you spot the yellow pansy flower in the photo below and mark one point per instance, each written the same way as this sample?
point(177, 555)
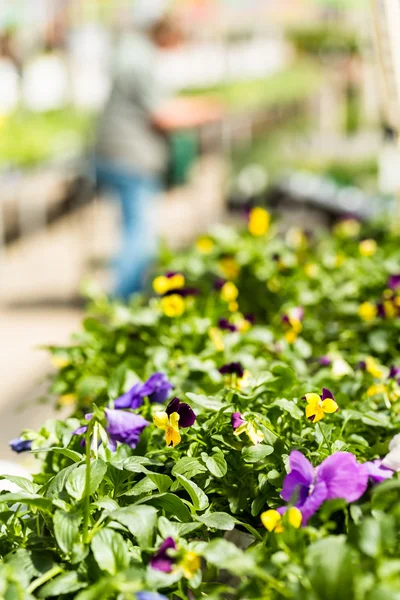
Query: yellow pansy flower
point(255, 435)
point(173, 306)
point(233, 307)
point(229, 267)
point(368, 247)
point(164, 284)
point(373, 367)
point(243, 325)
point(317, 405)
point(170, 424)
point(377, 389)
point(367, 311)
point(190, 564)
point(348, 228)
point(229, 292)
point(67, 400)
point(259, 221)
point(60, 362)
point(389, 309)
point(205, 245)
point(291, 336)
point(272, 519)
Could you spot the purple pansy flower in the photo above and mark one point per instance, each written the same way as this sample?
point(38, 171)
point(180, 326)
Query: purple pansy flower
point(122, 426)
point(394, 282)
point(226, 325)
point(233, 368)
point(362, 365)
point(161, 561)
point(338, 476)
point(394, 373)
point(133, 398)
point(237, 420)
point(186, 414)
point(377, 471)
point(18, 445)
point(250, 318)
point(157, 388)
point(325, 361)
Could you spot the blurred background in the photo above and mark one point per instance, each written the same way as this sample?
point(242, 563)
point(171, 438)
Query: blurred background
point(287, 102)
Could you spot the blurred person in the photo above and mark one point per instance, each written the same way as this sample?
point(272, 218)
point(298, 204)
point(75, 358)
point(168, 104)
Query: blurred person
point(132, 149)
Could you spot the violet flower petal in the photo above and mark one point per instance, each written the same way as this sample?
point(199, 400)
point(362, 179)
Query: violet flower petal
point(124, 427)
point(377, 471)
point(160, 560)
point(393, 282)
point(327, 394)
point(343, 476)
point(300, 478)
point(133, 398)
point(237, 420)
point(18, 445)
point(157, 388)
point(313, 501)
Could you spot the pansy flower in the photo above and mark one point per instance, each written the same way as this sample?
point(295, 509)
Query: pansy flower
point(368, 247)
point(169, 281)
point(157, 388)
point(373, 368)
point(317, 405)
point(178, 414)
point(338, 476)
point(122, 426)
point(205, 245)
point(166, 559)
point(226, 325)
point(325, 361)
point(240, 425)
point(229, 267)
point(173, 306)
point(394, 373)
point(367, 311)
point(150, 596)
point(259, 221)
point(272, 519)
point(229, 292)
point(183, 292)
point(233, 368)
point(377, 471)
point(293, 318)
point(394, 282)
point(20, 445)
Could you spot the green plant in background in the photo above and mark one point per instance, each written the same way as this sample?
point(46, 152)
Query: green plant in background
point(232, 435)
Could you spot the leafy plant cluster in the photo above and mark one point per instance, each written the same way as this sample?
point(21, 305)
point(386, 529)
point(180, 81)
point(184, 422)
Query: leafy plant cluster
point(140, 497)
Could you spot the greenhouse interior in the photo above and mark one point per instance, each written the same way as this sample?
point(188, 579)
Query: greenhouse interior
point(200, 299)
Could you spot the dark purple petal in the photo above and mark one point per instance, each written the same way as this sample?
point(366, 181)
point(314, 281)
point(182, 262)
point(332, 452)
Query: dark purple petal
point(171, 274)
point(224, 324)
point(362, 365)
point(218, 284)
point(131, 399)
point(234, 368)
point(393, 282)
point(377, 471)
point(381, 310)
point(18, 445)
point(157, 388)
point(160, 560)
point(394, 373)
point(173, 406)
point(276, 257)
point(285, 319)
point(325, 361)
point(250, 318)
point(187, 416)
point(184, 292)
point(124, 427)
point(327, 394)
point(237, 420)
point(300, 478)
point(343, 476)
point(313, 501)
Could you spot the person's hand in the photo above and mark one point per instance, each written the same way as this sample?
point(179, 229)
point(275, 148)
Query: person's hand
point(187, 113)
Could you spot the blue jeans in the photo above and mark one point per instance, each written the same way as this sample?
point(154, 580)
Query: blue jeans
point(137, 194)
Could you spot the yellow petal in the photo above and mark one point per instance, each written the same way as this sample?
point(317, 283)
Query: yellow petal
point(174, 420)
point(271, 520)
point(161, 285)
point(172, 437)
point(319, 414)
point(329, 406)
point(294, 517)
point(367, 311)
point(259, 222)
point(173, 306)
point(255, 436)
point(205, 245)
point(313, 399)
point(229, 292)
point(161, 420)
point(176, 282)
point(190, 564)
point(290, 336)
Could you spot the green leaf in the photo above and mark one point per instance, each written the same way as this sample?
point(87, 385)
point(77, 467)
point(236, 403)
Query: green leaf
point(28, 499)
point(110, 551)
point(171, 503)
point(188, 467)
point(198, 497)
point(144, 486)
point(255, 454)
point(331, 569)
point(76, 481)
point(290, 407)
point(284, 379)
point(163, 482)
point(74, 456)
point(174, 529)
point(66, 529)
point(207, 402)
point(91, 386)
point(217, 520)
point(56, 485)
point(141, 522)
point(25, 484)
point(370, 538)
point(225, 555)
point(63, 584)
point(216, 464)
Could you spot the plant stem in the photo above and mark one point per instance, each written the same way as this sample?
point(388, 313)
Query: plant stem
point(86, 506)
point(326, 441)
point(45, 577)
